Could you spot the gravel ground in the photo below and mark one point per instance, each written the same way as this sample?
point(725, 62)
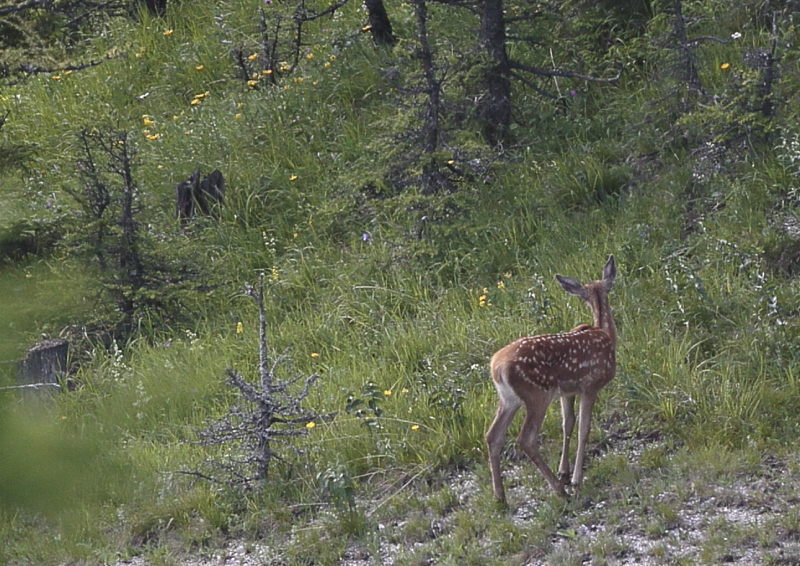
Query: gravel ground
point(747, 517)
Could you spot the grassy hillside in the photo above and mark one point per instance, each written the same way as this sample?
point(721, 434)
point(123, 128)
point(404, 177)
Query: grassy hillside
point(398, 297)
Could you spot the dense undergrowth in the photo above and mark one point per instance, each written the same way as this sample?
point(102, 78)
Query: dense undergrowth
point(395, 297)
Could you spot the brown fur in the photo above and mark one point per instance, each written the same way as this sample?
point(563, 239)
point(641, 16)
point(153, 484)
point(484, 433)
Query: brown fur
point(534, 370)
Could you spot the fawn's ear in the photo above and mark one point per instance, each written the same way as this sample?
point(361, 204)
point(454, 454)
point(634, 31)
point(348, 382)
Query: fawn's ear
point(609, 273)
point(573, 287)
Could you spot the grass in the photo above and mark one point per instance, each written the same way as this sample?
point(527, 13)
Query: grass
point(403, 312)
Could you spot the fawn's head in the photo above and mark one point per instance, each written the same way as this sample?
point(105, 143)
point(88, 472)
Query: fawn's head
point(595, 293)
point(585, 292)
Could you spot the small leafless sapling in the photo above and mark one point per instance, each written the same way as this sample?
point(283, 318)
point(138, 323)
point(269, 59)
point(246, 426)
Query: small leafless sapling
point(268, 415)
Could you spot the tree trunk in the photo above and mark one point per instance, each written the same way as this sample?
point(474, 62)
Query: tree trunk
point(379, 25)
point(431, 129)
point(129, 261)
point(769, 75)
point(495, 107)
point(432, 85)
point(692, 77)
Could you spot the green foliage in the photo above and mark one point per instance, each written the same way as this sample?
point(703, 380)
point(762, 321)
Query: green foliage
point(27, 237)
point(365, 407)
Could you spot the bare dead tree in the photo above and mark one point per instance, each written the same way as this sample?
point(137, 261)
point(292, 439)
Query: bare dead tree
point(270, 412)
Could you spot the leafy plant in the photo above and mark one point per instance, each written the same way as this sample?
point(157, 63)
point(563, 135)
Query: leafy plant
point(366, 405)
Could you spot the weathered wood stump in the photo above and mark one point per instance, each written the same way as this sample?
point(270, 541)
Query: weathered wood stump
point(193, 194)
point(43, 365)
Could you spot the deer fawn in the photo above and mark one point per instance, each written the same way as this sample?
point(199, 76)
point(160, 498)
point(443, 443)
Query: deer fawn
point(533, 371)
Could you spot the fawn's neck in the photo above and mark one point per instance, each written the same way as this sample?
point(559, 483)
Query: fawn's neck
point(601, 312)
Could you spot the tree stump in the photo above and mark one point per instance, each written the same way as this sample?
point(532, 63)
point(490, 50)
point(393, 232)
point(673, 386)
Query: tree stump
point(379, 24)
point(193, 194)
point(156, 8)
point(43, 365)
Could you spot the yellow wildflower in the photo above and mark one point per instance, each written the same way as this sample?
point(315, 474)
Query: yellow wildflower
point(237, 116)
point(56, 77)
point(309, 55)
point(168, 32)
point(293, 177)
point(267, 71)
point(252, 84)
point(147, 121)
point(314, 354)
point(500, 285)
point(332, 57)
point(387, 392)
point(310, 424)
point(239, 328)
point(366, 28)
point(199, 67)
point(253, 56)
point(152, 136)
point(724, 66)
point(415, 427)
